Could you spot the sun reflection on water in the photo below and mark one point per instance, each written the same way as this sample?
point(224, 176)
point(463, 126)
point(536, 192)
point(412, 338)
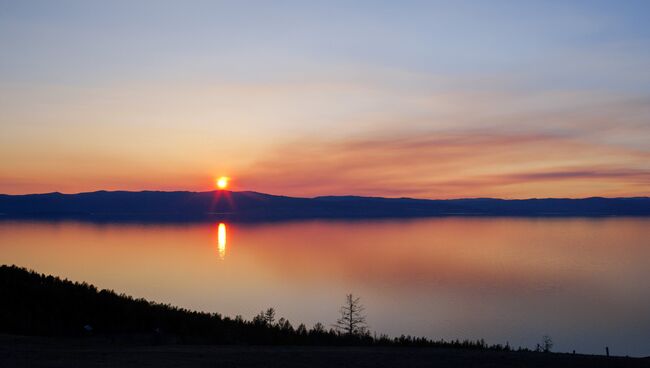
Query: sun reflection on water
point(221, 240)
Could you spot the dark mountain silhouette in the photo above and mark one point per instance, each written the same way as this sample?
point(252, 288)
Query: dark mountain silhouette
point(253, 205)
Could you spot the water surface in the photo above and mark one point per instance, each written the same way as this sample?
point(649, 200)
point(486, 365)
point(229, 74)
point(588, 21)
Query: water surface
point(583, 281)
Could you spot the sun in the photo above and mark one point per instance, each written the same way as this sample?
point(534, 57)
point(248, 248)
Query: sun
point(222, 182)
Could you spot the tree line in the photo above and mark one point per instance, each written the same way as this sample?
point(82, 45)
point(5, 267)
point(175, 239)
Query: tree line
point(42, 305)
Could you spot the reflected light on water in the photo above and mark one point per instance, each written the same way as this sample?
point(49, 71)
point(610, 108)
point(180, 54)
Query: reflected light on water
point(221, 240)
point(501, 279)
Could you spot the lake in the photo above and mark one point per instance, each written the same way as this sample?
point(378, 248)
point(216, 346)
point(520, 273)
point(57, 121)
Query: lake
point(582, 281)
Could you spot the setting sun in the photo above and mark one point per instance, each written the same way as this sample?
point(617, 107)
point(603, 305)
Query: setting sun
point(222, 182)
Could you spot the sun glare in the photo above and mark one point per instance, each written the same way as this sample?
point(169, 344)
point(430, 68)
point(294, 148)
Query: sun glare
point(222, 182)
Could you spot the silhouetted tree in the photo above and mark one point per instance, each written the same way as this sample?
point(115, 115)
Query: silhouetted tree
point(285, 325)
point(269, 316)
point(266, 318)
point(547, 343)
point(318, 328)
point(352, 321)
point(34, 304)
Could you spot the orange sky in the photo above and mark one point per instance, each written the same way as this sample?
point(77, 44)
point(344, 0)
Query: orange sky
point(452, 166)
point(284, 102)
point(426, 144)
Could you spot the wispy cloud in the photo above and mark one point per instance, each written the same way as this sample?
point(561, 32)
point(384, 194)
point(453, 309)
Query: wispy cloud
point(438, 165)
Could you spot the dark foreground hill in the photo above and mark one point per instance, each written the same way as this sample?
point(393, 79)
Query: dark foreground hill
point(49, 322)
point(40, 305)
point(253, 205)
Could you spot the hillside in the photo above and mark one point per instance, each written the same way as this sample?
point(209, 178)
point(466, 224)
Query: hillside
point(49, 322)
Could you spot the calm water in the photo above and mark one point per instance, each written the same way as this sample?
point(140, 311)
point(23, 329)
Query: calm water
point(584, 282)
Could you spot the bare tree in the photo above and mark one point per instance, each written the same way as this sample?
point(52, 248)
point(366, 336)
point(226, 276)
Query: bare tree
point(353, 320)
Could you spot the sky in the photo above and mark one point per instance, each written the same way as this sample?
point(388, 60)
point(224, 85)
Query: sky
point(429, 99)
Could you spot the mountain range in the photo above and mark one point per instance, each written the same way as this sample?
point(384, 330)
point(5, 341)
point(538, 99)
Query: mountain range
point(254, 205)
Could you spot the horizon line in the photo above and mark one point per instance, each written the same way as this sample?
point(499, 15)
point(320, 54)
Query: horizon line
point(323, 196)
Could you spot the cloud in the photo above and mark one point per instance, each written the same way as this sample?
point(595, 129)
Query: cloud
point(636, 176)
point(356, 130)
point(446, 165)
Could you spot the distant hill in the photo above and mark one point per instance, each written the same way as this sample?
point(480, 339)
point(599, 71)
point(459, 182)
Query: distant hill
point(253, 205)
